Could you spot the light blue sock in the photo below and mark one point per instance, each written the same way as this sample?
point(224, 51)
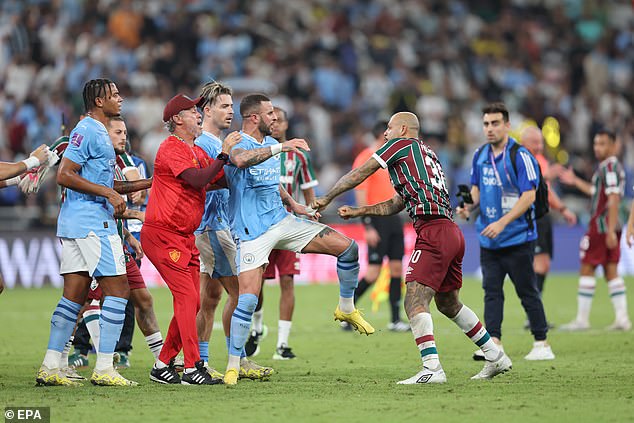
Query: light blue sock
point(241, 323)
point(348, 270)
point(228, 339)
point(62, 324)
point(204, 351)
point(111, 323)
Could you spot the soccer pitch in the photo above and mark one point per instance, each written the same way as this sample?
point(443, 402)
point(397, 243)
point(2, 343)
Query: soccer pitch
point(345, 377)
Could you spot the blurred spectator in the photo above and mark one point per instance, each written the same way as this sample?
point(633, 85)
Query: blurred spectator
point(338, 66)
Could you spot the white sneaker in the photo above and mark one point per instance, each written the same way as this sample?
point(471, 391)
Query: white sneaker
point(494, 368)
point(398, 326)
point(426, 376)
point(541, 351)
point(478, 355)
point(575, 326)
point(621, 324)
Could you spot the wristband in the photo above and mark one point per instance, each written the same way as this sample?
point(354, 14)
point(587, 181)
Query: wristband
point(13, 181)
point(276, 149)
point(223, 156)
point(31, 162)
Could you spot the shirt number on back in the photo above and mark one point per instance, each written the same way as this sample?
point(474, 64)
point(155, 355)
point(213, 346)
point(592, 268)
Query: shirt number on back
point(438, 179)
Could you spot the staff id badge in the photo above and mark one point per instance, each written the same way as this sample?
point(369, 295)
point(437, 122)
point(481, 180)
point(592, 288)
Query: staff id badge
point(508, 201)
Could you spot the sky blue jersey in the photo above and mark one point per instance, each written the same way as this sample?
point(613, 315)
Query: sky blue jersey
point(90, 147)
point(254, 194)
point(215, 217)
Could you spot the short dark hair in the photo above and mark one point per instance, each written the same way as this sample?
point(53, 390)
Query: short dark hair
point(93, 89)
point(251, 103)
point(604, 131)
point(118, 118)
point(497, 107)
point(379, 128)
point(282, 111)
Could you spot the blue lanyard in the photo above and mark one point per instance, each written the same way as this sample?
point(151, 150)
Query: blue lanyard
point(495, 168)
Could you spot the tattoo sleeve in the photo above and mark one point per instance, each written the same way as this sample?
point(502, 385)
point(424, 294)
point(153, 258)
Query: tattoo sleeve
point(125, 187)
point(386, 208)
point(353, 178)
point(287, 200)
point(244, 158)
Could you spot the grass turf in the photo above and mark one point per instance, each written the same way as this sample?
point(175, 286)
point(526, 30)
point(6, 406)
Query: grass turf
point(346, 377)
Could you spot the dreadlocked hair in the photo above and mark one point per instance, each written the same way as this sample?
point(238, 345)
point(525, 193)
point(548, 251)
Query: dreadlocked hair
point(93, 89)
point(212, 90)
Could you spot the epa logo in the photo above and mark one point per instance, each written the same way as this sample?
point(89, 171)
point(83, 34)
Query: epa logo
point(248, 258)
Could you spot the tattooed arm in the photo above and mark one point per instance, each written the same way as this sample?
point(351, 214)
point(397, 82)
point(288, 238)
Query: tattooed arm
point(386, 208)
point(295, 207)
point(347, 182)
point(244, 158)
point(125, 187)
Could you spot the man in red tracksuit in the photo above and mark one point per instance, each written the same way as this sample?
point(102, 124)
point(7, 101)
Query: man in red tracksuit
point(182, 173)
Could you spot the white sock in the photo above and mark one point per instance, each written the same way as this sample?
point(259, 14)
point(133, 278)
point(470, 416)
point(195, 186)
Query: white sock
point(346, 305)
point(91, 318)
point(159, 364)
point(63, 362)
point(52, 359)
point(423, 331)
point(155, 343)
point(616, 288)
point(104, 361)
point(283, 332)
point(190, 370)
point(585, 294)
point(234, 362)
point(258, 320)
point(467, 320)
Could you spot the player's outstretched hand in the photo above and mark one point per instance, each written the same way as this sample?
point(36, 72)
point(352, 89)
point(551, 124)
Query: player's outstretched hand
point(303, 210)
point(41, 153)
point(117, 202)
point(231, 140)
point(570, 217)
point(295, 144)
point(347, 212)
point(319, 203)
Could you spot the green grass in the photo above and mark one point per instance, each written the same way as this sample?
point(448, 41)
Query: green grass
point(344, 377)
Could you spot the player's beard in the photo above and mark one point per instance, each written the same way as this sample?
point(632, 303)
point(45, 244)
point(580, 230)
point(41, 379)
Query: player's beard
point(264, 128)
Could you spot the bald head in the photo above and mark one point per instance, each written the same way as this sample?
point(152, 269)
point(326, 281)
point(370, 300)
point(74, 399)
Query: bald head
point(532, 139)
point(402, 125)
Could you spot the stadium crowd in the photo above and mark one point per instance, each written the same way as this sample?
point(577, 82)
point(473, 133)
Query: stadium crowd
point(337, 66)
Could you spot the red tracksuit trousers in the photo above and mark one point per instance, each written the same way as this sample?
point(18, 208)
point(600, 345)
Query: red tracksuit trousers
point(175, 256)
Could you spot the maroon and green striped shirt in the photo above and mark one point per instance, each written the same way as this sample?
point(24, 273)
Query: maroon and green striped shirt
point(297, 173)
point(416, 175)
point(608, 179)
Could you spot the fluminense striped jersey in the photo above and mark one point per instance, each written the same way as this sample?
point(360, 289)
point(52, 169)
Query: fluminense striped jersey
point(416, 175)
point(297, 173)
point(608, 179)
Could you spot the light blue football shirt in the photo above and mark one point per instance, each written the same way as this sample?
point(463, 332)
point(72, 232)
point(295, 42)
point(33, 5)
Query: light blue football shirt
point(254, 194)
point(215, 217)
point(90, 147)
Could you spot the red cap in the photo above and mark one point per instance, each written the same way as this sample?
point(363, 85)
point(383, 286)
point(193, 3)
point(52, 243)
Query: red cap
point(178, 103)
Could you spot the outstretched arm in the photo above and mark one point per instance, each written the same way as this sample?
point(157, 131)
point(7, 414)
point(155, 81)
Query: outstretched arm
point(386, 208)
point(244, 158)
point(346, 183)
point(125, 187)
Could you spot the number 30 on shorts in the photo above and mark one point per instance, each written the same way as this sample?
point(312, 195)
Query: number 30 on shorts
point(415, 256)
